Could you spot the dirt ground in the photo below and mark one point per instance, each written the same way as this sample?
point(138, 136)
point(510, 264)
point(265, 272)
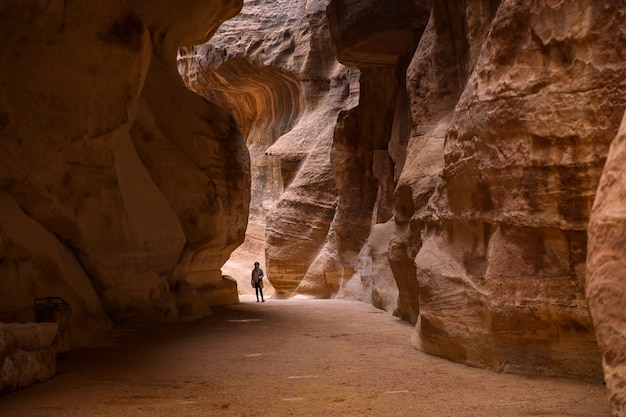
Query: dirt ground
point(292, 357)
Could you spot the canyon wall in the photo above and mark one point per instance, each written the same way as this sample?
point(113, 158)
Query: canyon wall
point(455, 190)
point(274, 66)
point(501, 249)
point(438, 159)
point(606, 282)
point(120, 190)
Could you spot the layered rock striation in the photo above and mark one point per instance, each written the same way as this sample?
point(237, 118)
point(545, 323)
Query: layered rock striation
point(606, 288)
point(437, 159)
point(273, 65)
point(457, 190)
point(502, 233)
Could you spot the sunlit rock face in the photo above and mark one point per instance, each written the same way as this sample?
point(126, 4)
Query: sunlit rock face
point(121, 191)
point(322, 163)
point(273, 65)
point(455, 189)
point(606, 281)
point(513, 110)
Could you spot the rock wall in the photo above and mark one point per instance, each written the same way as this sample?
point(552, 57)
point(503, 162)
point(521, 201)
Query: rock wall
point(273, 65)
point(369, 146)
point(502, 236)
point(606, 288)
point(457, 191)
point(437, 159)
point(120, 190)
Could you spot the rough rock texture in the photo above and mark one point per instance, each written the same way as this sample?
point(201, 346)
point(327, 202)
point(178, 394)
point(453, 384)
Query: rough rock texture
point(120, 190)
point(27, 354)
point(457, 196)
point(444, 170)
point(512, 107)
point(273, 65)
point(606, 280)
point(368, 150)
point(501, 227)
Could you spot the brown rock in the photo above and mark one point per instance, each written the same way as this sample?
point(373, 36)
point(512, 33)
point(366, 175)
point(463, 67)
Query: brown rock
point(36, 265)
point(443, 180)
point(26, 354)
point(373, 33)
point(367, 152)
point(32, 336)
point(605, 268)
point(8, 342)
point(469, 181)
point(501, 259)
point(273, 65)
point(129, 182)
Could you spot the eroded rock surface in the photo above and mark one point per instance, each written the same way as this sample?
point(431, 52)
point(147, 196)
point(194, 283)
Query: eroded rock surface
point(606, 280)
point(27, 354)
point(502, 235)
point(122, 191)
point(273, 65)
point(437, 159)
point(457, 191)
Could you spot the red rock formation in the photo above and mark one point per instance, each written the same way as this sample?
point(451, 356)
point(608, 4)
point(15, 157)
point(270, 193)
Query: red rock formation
point(470, 184)
point(502, 230)
point(273, 65)
point(123, 191)
point(369, 146)
point(606, 290)
point(456, 195)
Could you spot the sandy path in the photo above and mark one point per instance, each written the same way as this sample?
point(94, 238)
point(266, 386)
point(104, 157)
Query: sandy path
point(288, 358)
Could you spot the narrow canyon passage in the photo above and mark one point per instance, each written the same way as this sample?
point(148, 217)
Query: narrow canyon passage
point(291, 357)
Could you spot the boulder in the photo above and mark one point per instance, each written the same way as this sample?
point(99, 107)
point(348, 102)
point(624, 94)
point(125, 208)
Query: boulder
point(27, 354)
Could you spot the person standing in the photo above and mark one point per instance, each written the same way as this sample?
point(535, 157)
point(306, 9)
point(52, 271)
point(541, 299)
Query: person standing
point(257, 281)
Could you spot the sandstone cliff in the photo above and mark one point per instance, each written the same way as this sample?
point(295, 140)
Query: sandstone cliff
point(502, 243)
point(274, 66)
point(121, 191)
point(606, 289)
point(457, 190)
point(437, 159)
